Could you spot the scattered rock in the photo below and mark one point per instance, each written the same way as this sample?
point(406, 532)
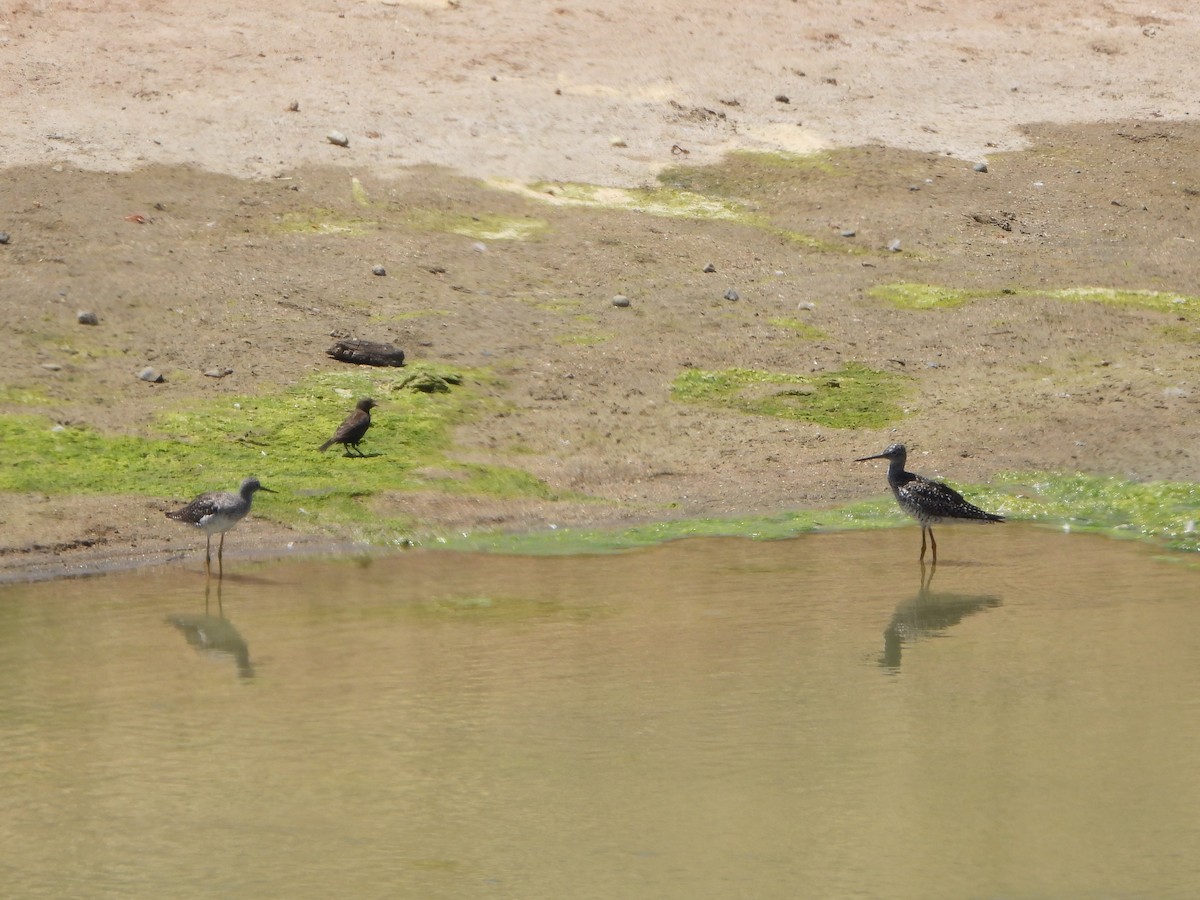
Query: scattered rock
point(710, 268)
point(151, 375)
point(617, 141)
point(219, 372)
point(981, 167)
point(378, 270)
point(4, 237)
point(848, 232)
point(336, 137)
point(731, 294)
point(620, 300)
point(367, 353)
point(294, 106)
point(782, 98)
point(894, 245)
point(87, 317)
point(52, 367)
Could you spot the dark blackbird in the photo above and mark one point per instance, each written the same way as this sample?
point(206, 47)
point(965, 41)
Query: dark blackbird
point(350, 432)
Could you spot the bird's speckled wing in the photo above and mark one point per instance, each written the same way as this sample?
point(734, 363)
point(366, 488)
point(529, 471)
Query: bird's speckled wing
point(932, 500)
point(203, 506)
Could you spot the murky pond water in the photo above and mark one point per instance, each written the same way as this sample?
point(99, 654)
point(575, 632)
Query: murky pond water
point(806, 718)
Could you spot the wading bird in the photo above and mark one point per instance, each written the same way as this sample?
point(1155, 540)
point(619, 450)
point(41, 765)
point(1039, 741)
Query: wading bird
point(217, 512)
point(927, 501)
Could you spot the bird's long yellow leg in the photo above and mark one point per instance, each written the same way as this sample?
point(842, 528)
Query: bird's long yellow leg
point(221, 556)
point(922, 543)
point(208, 554)
point(934, 543)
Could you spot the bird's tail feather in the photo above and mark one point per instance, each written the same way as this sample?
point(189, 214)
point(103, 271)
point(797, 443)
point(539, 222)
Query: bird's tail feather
point(325, 446)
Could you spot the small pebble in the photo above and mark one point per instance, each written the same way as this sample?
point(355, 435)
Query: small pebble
point(616, 141)
point(981, 167)
point(710, 268)
point(782, 98)
point(52, 367)
point(87, 317)
point(219, 372)
point(4, 237)
point(731, 294)
point(620, 300)
point(849, 232)
point(894, 246)
point(378, 270)
point(479, 247)
point(294, 106)
point(336, 137)
point(151, 375)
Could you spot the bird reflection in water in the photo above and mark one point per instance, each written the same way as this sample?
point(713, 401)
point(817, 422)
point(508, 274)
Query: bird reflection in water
point(214, 635)
point(926, 615)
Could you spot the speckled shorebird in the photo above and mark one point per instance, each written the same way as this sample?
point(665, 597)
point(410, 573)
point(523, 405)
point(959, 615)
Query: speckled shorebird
point(928, 502)
point(217, 512)
point(351, 431)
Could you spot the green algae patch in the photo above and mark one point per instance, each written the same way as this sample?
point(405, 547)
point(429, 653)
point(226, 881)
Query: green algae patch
point(665, 202)
point(852, 397)
point(15, 395)
point(215, 445)
point(821, 161)
point(323, 221)
point(582, 340)
point(1159, 301)
point(798, 329)
point(480, 226)
point(358, 193)
point(1164, 512)
point(907, 295)
point(1161, 513)
point(669, 201)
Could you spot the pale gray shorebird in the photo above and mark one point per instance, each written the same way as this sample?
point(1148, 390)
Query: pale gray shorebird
point(929, 502)
point(217, 512)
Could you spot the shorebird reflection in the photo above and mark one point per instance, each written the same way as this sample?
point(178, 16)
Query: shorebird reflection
point(926, 615)
point(214, 635)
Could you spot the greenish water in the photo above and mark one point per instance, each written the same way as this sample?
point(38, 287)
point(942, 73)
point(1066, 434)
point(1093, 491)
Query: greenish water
point(815, 717)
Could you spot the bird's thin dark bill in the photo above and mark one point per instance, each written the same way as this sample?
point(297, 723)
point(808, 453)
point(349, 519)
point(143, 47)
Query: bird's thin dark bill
point(876, 456)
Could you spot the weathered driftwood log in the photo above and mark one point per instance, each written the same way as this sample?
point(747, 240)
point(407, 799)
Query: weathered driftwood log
point(367, 353)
